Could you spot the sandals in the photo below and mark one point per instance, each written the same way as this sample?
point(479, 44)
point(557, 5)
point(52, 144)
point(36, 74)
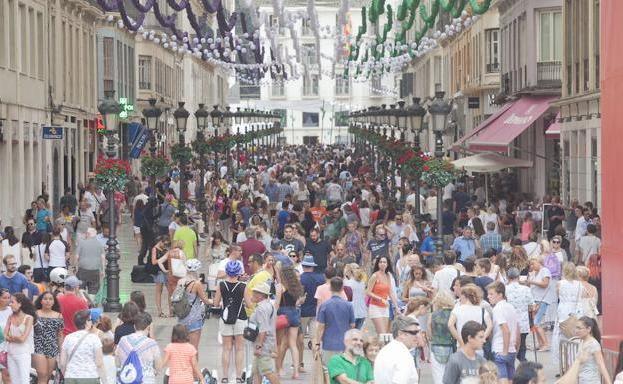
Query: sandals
point(239, 380)
point(162, 315)
point(225, 380)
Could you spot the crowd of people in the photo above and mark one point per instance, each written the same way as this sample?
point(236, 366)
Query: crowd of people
point(308, 248)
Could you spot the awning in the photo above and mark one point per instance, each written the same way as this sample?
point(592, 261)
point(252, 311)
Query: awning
point(462, 142)
point(489, 162)
point(495, 134)
point(553, 131)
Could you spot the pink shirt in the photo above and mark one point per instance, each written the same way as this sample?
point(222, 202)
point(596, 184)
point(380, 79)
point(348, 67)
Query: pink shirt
point(323, 293)
point(180, 358)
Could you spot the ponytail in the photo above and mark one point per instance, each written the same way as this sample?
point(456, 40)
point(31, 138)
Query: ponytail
point(592, 324)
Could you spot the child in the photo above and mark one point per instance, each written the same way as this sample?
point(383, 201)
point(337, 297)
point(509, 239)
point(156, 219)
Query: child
point(108, 346)
point(181, 358)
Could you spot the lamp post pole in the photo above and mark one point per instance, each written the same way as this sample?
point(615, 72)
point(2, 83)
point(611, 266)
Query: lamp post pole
point(181, 118)
point(439, 109)
point(202, 115)
point(152, 116)
point(110, 110)
point(416, 115)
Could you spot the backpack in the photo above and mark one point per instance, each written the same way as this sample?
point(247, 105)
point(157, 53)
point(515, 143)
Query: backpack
point(131, 371)
point(179, 301)
point(229, 313)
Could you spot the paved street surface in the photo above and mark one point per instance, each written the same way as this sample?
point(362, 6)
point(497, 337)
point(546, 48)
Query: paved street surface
point(210, 349)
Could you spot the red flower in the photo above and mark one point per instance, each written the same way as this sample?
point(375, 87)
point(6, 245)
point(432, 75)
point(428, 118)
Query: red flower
point(426, 168)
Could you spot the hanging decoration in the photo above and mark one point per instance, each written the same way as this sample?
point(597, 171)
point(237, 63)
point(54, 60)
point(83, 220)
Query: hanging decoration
point(112, 174)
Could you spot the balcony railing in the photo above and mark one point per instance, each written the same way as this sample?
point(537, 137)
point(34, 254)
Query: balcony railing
point(549, 74)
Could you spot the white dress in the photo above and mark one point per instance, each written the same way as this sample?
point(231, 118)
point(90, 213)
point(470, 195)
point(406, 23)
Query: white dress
point(568, 292)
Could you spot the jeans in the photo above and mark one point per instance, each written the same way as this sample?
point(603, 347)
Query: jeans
point(359, 322)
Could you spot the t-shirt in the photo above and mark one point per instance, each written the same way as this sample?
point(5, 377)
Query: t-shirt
point(310, 282)
point(541, 294)
point(180, 362)
point(42, 225)
point(260, 277)
point(337, 315)
point(14, 284)
point(589, 245)
point(482, 282)
point(189, 237)
point(444, 277)
point(460, 367)
point(122, 330)
point(360, 371)
point(320, 250)
point(82, 364)
point(249, 247)
point(323, 293)
point(378, 248)
point(448, 218)
point(465, 313)
point(90, 254)
point(264, 317)
point(504, 313)
point(57, 250)
point(70, 304)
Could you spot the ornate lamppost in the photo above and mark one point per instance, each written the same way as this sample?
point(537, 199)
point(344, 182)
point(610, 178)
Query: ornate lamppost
point(416, 115)
point(181, 118)
point(152, 117)
point(439, 110)
point(202, 115)
point(216, 117)
point(110, 109)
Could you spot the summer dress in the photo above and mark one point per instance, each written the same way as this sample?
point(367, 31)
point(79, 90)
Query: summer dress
point(46, 335)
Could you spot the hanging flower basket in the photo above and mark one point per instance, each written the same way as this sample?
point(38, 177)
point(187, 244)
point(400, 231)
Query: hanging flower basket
point(154, 166)
point(112, 174)
point(437, 172)
point(181, 153)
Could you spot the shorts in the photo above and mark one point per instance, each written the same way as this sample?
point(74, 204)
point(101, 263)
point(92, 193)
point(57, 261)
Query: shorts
point(90, 279)
point(376, 312)
point(231, 329)
point(293, 314)
point(195, 325)
point(137, 230)
point(263, 365)
point(541, 312)
point(505, 365)
point(161, 278)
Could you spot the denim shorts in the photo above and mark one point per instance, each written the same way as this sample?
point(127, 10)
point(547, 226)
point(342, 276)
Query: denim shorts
point(293, 314)
point(541, 312)
point(505, 365)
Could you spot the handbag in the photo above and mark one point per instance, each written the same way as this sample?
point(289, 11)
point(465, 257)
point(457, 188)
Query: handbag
point(567, 327)
point(178, 269)
point(282, 322)
point(251, 331)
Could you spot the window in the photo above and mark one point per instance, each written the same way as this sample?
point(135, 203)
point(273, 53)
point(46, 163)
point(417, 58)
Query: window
point(39, 44)
point(12, 35)
point(23, 68)
point(550, 36)
point(307, 27)
point(273, 21)
point(131, 73)
point(120, 67)
point(341, 119)
point(310, 85)
point(33, 46)
point(492, 50)
point(3, 33)
point(144, 72)
point(375, 86)
point(159, 76)
point(310, 119)
point(109, 63)
point(342, 86)
point(277, 90)
point(309, 54)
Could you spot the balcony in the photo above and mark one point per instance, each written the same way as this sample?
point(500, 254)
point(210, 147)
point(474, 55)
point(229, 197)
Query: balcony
point(549, 74)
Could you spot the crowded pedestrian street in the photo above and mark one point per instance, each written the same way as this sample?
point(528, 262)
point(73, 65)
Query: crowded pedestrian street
point(311, 191)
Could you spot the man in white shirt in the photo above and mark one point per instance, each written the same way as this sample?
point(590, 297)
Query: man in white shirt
point(448, 190)
point(444, 277)
point(505, 341)
point(394, 363)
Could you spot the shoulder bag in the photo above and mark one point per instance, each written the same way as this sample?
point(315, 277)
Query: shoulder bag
point(178, 268)
point(567, 327)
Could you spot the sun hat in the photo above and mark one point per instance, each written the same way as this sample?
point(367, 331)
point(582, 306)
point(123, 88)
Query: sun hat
point(308, 261)
point(193, 265)
point(262, 288)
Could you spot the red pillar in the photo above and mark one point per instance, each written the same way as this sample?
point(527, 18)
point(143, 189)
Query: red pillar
point(612, 183)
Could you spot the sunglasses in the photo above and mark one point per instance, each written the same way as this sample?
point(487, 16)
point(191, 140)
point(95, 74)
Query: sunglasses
point(412, 333)
point(555, 242)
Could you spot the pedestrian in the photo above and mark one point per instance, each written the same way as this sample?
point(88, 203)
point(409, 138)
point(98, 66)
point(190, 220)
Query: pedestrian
point(218, 248)
point(188, 236)
point(33, 288)
point(465, 363)
point(197, 297)
point(264, 319)
point(506, 339)
point(529, 372)
point(137, 221)
point(544, 292)
point(335, 316)
point(31, 238)
point(310, 281)
point(81, 359)
point(371, 348)
point(394, 363)
point(292, 295)
point(18, 335)
point(380, 290)
point(319, 249)
point(351, 364)
point(520, 297)
point(57, 251)
point(127, 316)
point(180, 356)
point(468, 309)
point(90, 261)
point(230, 292)
point(48, 331)
point(444, 276)
point(175, 252)
point(442, 344)
point(146, 348)
point(71, 302)
point(11, 279)
point(250, 246)
point(11, 245)
point(465, 245)
point(355, 280)
point(159, 251)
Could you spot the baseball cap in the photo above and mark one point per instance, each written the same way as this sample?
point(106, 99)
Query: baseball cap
point(72, 282)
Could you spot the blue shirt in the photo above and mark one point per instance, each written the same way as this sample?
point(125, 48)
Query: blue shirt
point(33, 290)
point(338, 316)
point(467, 247)
point(14, 284)
point(42, 226)
point(310, 281)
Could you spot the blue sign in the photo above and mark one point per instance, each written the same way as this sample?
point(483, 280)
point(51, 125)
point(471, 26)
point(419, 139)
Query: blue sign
point(53, 133)
point(138, 137)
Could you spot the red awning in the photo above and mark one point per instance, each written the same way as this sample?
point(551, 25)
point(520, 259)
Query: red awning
point(500, 132)
point(553, 131)
point(462, 142)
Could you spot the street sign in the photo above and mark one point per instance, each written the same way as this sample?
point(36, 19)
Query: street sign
point(473, 102)
point(52, 133)
point(138, 137)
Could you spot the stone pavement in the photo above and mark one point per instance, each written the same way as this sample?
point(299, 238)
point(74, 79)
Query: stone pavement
point(210, 349)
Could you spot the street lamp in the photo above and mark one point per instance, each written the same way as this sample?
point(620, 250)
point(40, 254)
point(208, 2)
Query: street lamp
point(439, 110)
point(216, 116)
point(181, 119)
point(152, 116)
point(110, 109)
point(202, 116)
point(416, 114)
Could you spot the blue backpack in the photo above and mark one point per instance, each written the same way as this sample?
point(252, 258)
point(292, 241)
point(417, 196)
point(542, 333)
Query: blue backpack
point(131, 371)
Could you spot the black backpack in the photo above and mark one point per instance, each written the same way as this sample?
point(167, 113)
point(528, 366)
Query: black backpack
point(230, 314)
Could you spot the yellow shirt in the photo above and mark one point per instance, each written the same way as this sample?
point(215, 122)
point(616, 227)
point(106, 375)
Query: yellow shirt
point(189, 237)
point(260, 277)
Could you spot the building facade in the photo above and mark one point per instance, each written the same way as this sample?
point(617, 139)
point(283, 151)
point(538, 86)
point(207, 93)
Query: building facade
point(48, 72)
point(580, 113)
